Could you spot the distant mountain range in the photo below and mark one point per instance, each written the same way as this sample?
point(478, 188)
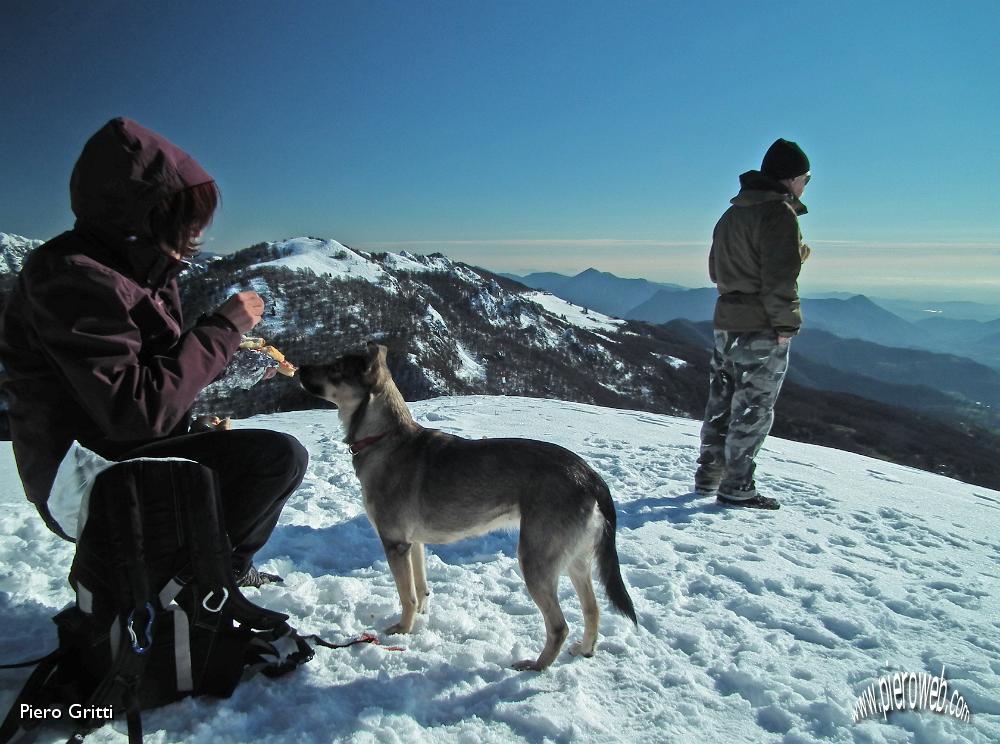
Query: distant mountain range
point(599, 290)
point(951, 388)
point(952, 310)
point(457, 329)
point(842, 314)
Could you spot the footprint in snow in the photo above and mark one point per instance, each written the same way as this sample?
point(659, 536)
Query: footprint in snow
point(883, 477)
point(989, 499)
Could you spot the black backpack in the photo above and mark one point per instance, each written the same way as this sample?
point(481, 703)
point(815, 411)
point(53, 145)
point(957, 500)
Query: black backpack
point(158, 615)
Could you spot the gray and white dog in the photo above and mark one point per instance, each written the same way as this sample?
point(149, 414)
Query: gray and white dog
point(426, 486)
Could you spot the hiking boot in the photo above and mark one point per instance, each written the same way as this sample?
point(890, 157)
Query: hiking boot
point(747, 497)
point(257, 579)
point(706, 482)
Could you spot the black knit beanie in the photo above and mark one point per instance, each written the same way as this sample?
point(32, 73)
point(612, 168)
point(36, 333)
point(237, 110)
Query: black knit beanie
point(784, 159)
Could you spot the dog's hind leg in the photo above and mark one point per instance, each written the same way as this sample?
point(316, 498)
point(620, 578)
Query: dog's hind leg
point(420, 576)
point(399, 556)
point(580, 575)
point(542, 579)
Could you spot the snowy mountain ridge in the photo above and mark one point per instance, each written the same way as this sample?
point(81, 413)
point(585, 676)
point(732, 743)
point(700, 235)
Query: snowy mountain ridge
point(330, 258)
point(13, 250)
point(451, 328)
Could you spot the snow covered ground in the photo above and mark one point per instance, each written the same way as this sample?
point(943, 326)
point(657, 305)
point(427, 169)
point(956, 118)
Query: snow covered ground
point(754, 626)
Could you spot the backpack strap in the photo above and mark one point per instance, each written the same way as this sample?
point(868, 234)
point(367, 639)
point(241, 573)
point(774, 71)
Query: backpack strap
point(32, 662)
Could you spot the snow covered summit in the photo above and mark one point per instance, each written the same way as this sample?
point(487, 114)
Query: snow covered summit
point(13, 250)
point(334, 259)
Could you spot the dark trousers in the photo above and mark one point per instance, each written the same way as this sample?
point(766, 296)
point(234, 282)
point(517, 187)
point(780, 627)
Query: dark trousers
point(258, 469)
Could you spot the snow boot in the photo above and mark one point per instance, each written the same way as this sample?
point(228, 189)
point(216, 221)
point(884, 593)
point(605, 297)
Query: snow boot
point(746, 497)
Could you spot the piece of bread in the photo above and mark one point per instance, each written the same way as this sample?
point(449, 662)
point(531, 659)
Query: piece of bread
point(254, 343)
point(257, 344)
point(273, 353)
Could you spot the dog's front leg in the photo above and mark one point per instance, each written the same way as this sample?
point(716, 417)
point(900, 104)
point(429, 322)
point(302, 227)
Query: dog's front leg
point(420, 576)
point(398, 554)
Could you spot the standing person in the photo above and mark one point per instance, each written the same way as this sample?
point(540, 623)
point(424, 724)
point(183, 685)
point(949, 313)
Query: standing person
point(93, 342)
point(757, 252)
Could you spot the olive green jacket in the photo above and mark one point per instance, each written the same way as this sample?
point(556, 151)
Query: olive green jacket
point(756, 255)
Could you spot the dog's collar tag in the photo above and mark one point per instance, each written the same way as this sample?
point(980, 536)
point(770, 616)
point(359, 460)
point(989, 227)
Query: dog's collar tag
point(362, 444)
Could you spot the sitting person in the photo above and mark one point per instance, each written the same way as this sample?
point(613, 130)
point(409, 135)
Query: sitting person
point(94, 345)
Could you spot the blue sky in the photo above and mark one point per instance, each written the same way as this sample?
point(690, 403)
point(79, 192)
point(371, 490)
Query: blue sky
point(536, 135)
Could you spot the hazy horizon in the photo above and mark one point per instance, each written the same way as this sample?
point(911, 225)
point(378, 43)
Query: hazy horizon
point(833, 267)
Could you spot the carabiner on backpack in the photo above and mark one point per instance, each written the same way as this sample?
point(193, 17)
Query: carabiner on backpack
point(149, 630)
point(225, 597)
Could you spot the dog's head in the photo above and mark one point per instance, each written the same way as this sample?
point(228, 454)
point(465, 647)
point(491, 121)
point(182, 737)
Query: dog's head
point(348, 379)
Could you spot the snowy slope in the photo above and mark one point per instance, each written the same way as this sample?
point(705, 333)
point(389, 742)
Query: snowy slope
point(754, 627)
point(574, 314)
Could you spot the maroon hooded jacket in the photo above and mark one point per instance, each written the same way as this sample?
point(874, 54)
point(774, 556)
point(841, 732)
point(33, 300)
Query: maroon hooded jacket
point(91, 337)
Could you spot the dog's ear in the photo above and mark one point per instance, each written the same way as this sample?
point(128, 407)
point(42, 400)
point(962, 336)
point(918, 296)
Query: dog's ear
point(376, 362)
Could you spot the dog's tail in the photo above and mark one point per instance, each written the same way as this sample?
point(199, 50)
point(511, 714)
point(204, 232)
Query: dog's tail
point(607, 556)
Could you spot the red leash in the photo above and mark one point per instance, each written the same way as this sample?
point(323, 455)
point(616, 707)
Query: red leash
point(363, 638)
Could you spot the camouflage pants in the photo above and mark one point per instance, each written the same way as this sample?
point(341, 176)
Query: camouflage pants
point(746, 375)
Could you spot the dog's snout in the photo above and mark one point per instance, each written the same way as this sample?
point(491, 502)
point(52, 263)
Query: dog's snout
point(320, 380)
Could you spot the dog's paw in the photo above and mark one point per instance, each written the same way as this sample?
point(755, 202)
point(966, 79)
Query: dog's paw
point(578, 649)
point(398, 629)
point(528, 665)
point(422, 605)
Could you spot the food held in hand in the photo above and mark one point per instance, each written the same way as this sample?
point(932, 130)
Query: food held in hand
point(258, 344)
point(287, 368)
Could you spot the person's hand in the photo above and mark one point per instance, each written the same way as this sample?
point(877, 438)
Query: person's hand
point(244, 310)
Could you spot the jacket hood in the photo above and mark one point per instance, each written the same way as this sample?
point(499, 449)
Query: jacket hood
point(123, 172)
point(756, 187)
